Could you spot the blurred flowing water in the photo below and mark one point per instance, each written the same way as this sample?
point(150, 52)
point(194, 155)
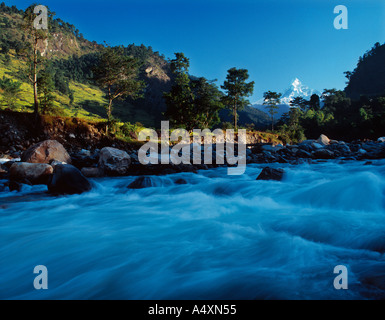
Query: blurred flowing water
point(217, 237)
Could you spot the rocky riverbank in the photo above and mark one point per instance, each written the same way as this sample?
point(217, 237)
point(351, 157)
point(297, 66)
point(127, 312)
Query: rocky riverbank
point(19, 131)
point(48, 162)
point(320, 149)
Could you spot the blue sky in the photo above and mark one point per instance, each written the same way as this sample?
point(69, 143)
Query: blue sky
point(276, 40)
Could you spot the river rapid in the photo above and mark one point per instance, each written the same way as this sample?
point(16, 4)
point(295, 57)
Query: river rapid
point(216, 237)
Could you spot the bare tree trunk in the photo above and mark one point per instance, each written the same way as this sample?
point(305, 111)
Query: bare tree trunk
point(109, 115)
point(235, 117)
point(36, 102)
point(109, 112)
point(35, 97)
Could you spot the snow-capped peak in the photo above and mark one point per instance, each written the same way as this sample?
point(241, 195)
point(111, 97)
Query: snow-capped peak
point(297, 89)
point(296, 83)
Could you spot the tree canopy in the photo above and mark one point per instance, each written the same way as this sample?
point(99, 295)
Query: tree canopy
point(192, 103)
point(271, 101)
point(117, 74)
point(237, 90)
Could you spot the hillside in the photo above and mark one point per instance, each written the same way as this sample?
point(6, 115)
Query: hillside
point(249, 115)
point(63, 40)
point(71, 58)
point(282, 109)
point(368, 79)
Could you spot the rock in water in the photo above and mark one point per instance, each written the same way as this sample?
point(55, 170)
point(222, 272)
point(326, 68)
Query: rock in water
point(45, 152)
point(141, 183)
point(36, 173)
point(181, 181)
point(67, 179)
point(323, 154)
point(114, 162)
point(91, 172)
point(303, 154)
point(271, 174)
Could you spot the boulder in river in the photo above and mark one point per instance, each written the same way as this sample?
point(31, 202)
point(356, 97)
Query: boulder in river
point(181, 181)
point(271, 174)
point(305, 147)
point(67, 179)
point(85, 159)
point(142, 183)
point(35, 173)
point(114, 162)
point(91, 172)
point(45, 152)
point(323, 154)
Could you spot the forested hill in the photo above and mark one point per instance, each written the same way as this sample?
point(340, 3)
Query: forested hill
point(368, 79)
point(71, 58)
point(63, 39)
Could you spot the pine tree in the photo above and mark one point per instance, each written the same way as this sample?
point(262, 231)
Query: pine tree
point(180, 99)
point(117, 74)
point(271, 101)
point(32, 52)
point(237, 89)
point(207, 103)
point(300, 103)
point(192, 103)
point(45, 93)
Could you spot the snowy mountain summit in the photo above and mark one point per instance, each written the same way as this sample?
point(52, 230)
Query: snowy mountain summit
point(297, 89)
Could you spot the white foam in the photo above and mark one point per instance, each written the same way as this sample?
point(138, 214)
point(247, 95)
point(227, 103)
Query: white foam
point(218, 237)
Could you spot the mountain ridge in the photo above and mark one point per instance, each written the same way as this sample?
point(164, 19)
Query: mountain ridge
point(71, 57)
point(296, 89)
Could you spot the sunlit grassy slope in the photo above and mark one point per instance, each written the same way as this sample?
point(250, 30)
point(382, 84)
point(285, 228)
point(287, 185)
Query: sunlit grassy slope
point(88, 102)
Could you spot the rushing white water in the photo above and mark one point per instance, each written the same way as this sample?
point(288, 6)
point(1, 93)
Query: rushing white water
point(218, 237)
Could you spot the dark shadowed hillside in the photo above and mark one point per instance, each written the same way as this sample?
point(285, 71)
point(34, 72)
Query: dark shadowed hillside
point(368, 79)
point(247, 116)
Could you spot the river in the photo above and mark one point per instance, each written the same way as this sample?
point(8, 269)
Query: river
point(216, 237)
